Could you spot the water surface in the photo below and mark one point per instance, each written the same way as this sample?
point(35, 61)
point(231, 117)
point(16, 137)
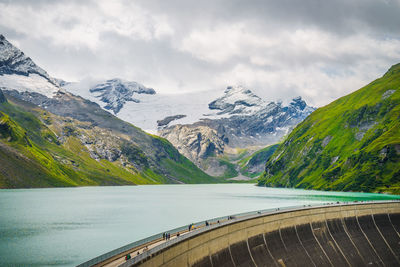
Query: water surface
point(67, 226)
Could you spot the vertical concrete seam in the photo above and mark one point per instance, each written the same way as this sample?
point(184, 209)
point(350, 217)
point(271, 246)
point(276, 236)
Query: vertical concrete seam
point(366, 237)
point(390, 220)
point(330, 234)
point(230, 254)
point(347, 233)
point(248, 248)
point(384, 239)
point(301, 243)
point(163, 256)
point(269, 252)
point(209, 254)
point(280, 236)
point(316, 239)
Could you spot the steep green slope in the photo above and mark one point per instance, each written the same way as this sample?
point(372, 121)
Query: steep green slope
point(352, 144)
point(40, 149)
point(254, 165)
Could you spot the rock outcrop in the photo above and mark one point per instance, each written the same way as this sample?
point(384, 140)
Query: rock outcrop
point(2, 97)
point(164, 122)
point(243, 120)
point(14, 61)
point(116, 92)
point(19, 72)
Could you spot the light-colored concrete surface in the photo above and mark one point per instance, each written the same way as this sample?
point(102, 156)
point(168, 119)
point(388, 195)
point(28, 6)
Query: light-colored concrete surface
point(205, 244)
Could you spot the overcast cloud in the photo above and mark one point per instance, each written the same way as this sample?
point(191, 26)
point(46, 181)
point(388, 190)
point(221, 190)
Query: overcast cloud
point(320, 50)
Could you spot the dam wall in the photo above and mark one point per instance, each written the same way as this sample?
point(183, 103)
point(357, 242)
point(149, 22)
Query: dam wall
point(361, 234)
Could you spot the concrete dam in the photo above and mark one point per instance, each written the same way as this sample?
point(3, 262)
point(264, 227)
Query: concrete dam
point(357, 234)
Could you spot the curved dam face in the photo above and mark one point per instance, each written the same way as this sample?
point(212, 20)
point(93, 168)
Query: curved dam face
point(348, 235)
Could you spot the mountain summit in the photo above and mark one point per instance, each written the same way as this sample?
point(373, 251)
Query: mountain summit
point(19, 72)
point(237, 100)
point(116, 92)
point(243, 121)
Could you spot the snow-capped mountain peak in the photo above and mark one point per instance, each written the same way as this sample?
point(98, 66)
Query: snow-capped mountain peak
point(116, 92)
point(237, 100)
point(19, 72)
point(298, 102)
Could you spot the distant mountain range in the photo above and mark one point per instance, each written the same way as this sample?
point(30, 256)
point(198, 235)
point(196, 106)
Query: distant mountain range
point(352, 144)
point(215, 130)
point(49, 137)
point(203, 126)
point(242, 123)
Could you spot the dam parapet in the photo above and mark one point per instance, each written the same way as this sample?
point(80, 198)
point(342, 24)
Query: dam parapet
point(340, 234)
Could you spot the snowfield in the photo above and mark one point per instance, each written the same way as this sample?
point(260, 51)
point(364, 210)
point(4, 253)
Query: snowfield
point(30, 83)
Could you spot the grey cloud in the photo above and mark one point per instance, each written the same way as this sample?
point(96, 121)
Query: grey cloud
point(341, 16)
point(340, 44)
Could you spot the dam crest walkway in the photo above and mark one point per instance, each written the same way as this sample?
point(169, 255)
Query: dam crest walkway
point(338, 234)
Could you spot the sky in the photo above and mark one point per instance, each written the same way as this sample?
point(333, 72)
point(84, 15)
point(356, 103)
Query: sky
point(279, 49)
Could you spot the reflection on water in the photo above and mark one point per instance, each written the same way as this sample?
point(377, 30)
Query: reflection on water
point(67, 226)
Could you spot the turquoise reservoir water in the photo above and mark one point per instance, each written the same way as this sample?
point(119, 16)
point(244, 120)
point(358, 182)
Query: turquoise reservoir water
point(67, 226)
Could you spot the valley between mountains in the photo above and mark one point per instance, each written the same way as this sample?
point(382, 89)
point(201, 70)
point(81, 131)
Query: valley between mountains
point(117, 132)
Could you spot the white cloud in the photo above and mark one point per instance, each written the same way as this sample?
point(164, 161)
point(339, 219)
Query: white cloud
point(301, 46)
point(280, 49)
point(223, 42)
point(71, 24)
point(320, 66)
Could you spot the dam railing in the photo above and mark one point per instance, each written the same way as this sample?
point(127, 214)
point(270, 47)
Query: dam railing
point(200, 227)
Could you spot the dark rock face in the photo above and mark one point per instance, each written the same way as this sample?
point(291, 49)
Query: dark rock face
point(2, 97)
point(14, 61)
point(164, 122)
point(298, 103)
point(116, 92)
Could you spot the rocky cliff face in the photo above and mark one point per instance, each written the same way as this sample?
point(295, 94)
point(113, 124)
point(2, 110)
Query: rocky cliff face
point(19, 72)
point(242, 120)
point(2, 97)
point(14, 61)
point(116, 92)
point(197, 142)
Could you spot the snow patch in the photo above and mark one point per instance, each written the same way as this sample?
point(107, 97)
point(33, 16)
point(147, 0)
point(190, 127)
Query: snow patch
point(31, 83)
point(387, 94)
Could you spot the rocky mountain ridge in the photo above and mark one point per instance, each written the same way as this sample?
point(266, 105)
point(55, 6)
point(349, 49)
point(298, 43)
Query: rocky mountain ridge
point(19, 72)
point(14, 61)
point(116, 92)
point(237, 100)
point(242, 120)
point(207, 125)
point(68, 141)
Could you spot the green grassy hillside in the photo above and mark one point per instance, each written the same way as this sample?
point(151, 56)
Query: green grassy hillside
point(352, 144)
point(40, 149)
